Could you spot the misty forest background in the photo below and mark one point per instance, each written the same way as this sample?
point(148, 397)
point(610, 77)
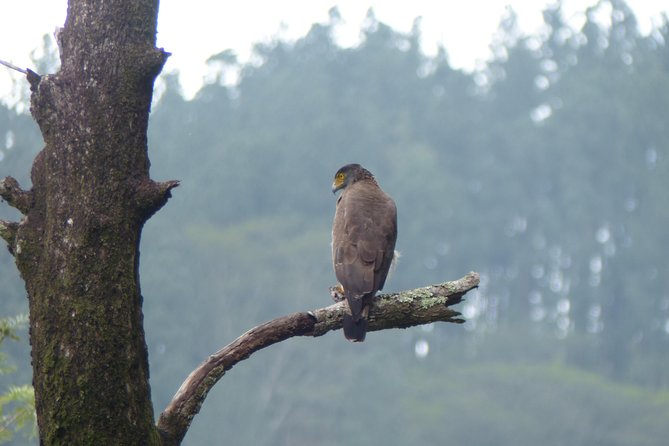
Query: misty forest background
point(547, 170)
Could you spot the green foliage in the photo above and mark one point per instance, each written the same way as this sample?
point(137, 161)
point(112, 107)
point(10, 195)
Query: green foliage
point(9, 325)
point(17, 404)
point(21, 417)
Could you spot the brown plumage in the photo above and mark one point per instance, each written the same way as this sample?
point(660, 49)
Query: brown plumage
point(364, 232)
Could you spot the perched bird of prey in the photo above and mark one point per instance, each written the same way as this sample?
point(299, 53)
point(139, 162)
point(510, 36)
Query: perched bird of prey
point(363, 242)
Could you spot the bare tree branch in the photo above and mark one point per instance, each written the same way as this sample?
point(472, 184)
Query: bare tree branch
point(33, 78)
point(151, 196)
point(398, 310)
point(13, 67)
point(8, 233)
point(14, 195)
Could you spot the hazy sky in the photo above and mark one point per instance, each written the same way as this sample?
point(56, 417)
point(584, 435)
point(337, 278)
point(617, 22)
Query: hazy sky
point(195, 29)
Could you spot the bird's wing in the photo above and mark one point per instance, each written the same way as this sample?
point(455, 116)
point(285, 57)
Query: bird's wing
point(364, 234)
point(352, 256)
point(386, 236)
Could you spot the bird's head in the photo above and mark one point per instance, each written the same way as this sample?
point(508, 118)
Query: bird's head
point(348, 175)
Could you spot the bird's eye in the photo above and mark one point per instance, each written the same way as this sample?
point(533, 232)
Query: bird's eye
point(339, 176)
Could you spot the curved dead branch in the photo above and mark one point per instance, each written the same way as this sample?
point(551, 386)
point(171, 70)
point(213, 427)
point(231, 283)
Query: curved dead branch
point(397, 310)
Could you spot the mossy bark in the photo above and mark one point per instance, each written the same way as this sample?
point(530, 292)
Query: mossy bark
point(77, 247)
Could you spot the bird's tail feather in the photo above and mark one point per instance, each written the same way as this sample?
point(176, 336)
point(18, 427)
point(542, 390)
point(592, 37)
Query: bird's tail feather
point(355, 304)
point(355, 330)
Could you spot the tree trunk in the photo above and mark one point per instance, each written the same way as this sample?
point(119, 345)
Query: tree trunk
point(78, 246)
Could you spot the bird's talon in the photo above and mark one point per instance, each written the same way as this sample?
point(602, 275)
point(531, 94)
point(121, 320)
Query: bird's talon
point(337, 293)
